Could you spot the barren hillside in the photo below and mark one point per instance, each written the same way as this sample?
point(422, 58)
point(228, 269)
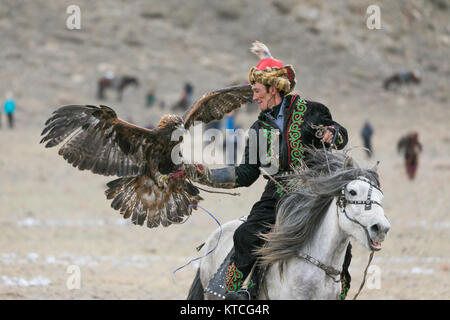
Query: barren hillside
point(52, 216)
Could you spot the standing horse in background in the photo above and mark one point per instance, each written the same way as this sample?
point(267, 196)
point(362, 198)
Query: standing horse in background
point(328, 203)
point(119, 84)
point(401, 78)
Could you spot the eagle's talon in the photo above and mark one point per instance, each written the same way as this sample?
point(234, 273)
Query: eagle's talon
point(199, 168)
point(162, 180)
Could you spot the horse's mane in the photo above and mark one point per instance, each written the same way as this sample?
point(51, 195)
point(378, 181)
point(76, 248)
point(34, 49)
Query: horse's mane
point(301, 211)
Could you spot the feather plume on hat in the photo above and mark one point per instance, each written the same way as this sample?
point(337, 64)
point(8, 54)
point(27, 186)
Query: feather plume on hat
point(270, 71)
point(261, 50)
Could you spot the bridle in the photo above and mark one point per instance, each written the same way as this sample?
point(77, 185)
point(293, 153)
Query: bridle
point(342, 202)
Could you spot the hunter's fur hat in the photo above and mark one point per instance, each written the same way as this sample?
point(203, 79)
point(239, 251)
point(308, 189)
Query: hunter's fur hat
point(270, 71)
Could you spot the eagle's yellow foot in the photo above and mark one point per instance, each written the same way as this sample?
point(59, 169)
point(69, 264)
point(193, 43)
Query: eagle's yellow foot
point(162, 180)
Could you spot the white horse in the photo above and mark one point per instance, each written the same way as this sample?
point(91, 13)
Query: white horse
point(305, 251)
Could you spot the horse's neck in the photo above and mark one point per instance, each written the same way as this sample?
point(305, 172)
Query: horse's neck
point(302, 279)
point(329, 242)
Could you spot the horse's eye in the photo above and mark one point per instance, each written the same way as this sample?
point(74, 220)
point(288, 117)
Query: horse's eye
point(352, 192)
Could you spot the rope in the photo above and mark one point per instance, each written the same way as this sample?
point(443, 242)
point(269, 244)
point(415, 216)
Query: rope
point(221, 192)
point(365, 274)
point(270, 177)
point(320, 132)
point(326, 157)
point(206, 254)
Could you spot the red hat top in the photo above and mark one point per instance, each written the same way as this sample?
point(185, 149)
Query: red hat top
point(269, 62)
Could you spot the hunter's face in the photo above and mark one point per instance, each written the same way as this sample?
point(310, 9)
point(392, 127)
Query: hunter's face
point(264, 99)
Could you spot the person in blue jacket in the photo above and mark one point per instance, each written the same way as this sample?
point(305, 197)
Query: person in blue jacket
point(9, 108)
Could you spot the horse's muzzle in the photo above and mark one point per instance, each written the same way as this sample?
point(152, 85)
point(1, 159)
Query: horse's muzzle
point(378, 231)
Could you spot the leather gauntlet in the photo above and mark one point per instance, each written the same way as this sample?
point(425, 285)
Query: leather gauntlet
point(217, 178)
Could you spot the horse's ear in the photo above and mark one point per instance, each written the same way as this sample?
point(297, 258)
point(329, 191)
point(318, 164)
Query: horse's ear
point(375, 167)
point(348, 162)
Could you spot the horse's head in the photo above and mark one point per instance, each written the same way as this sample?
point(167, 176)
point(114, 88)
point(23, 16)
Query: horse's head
point(361, 214)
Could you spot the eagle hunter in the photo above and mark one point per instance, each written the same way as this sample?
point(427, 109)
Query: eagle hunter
point(97, 140)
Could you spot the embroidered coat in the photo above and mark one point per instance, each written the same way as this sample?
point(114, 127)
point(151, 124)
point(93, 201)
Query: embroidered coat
point(286, 149)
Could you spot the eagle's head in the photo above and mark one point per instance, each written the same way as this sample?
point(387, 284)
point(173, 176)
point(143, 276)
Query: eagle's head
point(169, 123)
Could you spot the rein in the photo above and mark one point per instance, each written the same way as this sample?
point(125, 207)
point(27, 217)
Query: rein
point(213, 191)
point(273, 180)
point(365, 274)
point(341, 202)
point(220, 192)
point(329, 270)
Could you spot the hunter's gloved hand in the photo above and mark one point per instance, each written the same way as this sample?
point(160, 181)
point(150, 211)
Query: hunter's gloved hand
point(217, 178)
point(191, 171)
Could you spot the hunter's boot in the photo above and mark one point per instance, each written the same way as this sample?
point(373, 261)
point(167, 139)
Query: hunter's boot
point(235, 286)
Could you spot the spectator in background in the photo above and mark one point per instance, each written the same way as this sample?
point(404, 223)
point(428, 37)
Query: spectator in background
point(150, 98)
point(186, 99)
point(189, 92)
point(9, 108)
point(366, 134)
point(410, 146)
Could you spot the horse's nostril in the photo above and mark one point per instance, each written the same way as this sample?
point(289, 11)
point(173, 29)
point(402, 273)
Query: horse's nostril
point(375, 228)
point(379, 229)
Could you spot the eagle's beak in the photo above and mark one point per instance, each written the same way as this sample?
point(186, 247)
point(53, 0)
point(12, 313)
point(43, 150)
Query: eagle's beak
point(180, 127)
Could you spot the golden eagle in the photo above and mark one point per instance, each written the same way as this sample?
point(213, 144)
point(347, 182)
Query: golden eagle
point(97, 140)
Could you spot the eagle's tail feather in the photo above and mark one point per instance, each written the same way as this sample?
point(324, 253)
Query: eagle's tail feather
point(141, 199)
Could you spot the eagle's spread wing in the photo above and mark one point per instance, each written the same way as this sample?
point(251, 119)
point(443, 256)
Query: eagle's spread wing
point(214, 105)
point(99, 141)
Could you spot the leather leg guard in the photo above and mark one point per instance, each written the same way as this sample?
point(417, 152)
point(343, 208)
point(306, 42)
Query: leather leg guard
point(233, 285)
point(234, 279)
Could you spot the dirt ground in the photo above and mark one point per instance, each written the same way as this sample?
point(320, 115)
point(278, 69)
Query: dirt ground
point(55, 222)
